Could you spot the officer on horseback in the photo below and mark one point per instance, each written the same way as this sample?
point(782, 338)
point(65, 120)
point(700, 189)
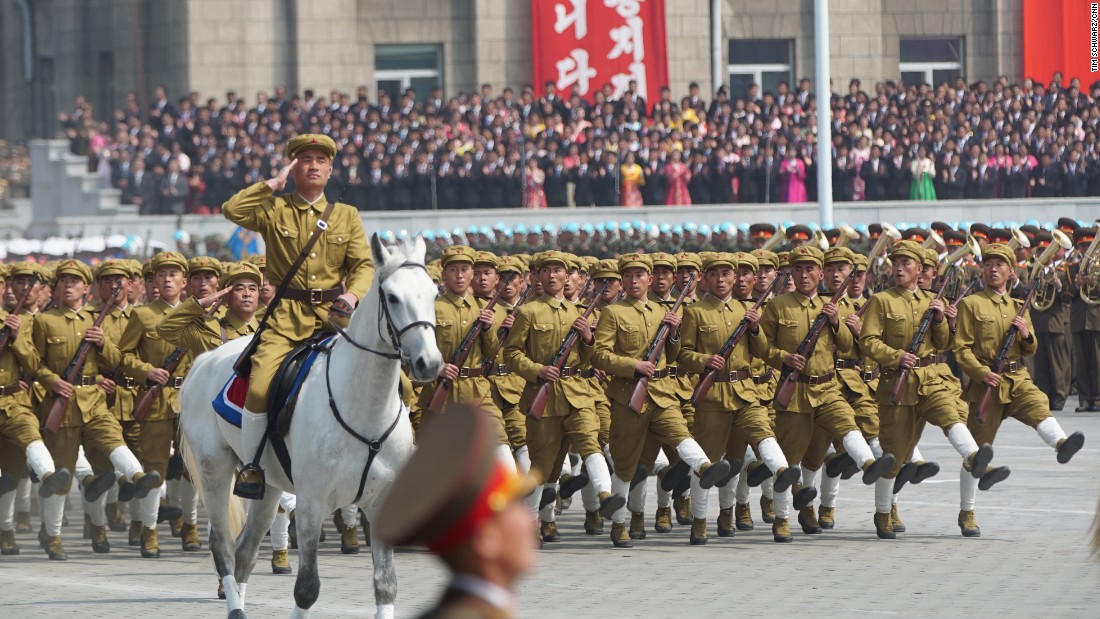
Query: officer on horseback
point(287, 223)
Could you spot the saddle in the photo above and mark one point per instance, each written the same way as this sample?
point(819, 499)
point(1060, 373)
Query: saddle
point(282, 396)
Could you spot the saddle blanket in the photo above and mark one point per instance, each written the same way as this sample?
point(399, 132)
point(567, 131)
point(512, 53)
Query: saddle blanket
point(229, 403)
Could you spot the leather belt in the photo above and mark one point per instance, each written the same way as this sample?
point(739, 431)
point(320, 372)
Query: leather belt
point(764, 378)
point(471, 372)
point(126, 381)
point(732, 377)
point(84, 381)
point(869, 376)
point(569, 371)
point(924, 362)
point(175, 382)
point(1012, 366)
point(848, 364)
point(12, 388)
point(499, 369)
point(816, 380)
point(674, 370)
point(589, 373)
point(314, 296)
point(664, 373)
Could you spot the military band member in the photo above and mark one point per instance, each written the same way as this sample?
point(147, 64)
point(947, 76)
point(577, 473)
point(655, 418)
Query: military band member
point(983, 320)
point(1084, 325)
point(144, 354)
point(570, 418)
point(625, 331)
point(340, 258)
point(817, 404)
point(1053, 369)
point(730, 417)
point(887, 329)
point(87, 420)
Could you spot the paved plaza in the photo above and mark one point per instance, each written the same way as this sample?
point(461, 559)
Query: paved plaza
point(1031, 561)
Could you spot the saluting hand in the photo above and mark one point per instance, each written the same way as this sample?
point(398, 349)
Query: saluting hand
point(279, 182)
point(209, 299)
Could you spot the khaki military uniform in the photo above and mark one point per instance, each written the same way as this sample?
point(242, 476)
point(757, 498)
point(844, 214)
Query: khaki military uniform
point(13, 462)
point(143, 349)
point(984, 318)
point(18, 423)
point(341, 256)
point(930, 395)
point(625, 331)
point(506, 388)
point(57, 336)
point(454, 316)
point(731, 416)
point(187, 325)
point(813, 407)
point(122, 402)
point(570, 417)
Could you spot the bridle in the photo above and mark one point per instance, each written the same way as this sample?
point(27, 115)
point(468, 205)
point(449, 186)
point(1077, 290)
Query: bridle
point(395, 334)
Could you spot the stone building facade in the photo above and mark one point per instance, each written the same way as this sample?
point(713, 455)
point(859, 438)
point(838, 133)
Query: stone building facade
point(54, 50)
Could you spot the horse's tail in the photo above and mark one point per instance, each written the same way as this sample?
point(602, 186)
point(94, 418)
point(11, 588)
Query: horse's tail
point(235, 515)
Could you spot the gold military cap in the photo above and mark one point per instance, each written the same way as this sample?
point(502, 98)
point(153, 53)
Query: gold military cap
point(860, 263)
point(689, 259)
point(457, 253)
point(999, 250)
point(552, 256)
point(807, 253)
point(634, 260)
point(168, 259)
point(909, 249)
point(260, 260)
point(74, 267)
point(746, 259)
point(204, 263)
point(308, 141)
point(607, 269)
point(764, 256)
point(720, 259)
point(241, 270)
point(662, 259)
point(113, 267)
point(839, 254)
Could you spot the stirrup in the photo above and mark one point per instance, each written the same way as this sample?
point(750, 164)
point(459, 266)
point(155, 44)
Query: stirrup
point(249, 489)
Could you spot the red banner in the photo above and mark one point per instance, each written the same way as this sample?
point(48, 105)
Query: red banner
point(590, 43)
point(1061, 35)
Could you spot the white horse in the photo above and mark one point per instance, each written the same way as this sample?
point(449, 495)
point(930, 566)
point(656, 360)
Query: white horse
point(350, 434)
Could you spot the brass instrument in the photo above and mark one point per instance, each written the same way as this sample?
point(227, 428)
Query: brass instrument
point(954, 276)
point(1090, 266)
point(778, 239)
point(933, 241)
point(880, 269)
point(819, 240)
point(1042, 277)
point(847, 235)
point(1018, 240)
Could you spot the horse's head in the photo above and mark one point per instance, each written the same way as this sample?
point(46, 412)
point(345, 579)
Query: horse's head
point(406, 306)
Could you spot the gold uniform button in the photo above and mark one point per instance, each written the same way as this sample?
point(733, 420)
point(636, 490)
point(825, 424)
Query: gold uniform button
point(313, 255)
point(312, 277)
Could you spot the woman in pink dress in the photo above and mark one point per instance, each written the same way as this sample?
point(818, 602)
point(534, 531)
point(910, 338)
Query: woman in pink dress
point(793, 174)
point(533, 194)
point(677, 174)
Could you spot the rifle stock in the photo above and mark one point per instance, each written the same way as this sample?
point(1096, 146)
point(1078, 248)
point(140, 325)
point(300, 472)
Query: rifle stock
point(76, 367)
point(538, 405)
point(710, 375)
point(1002, 355)
point(788, 379)
point(443, 388)
point(653, 353)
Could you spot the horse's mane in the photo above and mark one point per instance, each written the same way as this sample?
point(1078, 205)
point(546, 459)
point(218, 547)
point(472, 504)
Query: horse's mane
point(404, 251)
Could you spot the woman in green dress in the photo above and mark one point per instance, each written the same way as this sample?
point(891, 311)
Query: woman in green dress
point(924, 171)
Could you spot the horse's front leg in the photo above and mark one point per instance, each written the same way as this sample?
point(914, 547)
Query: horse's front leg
point(260, 516)
point(308, 518)
point(385, 576)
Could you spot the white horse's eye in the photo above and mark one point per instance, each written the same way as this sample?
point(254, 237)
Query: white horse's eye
point(392, 299)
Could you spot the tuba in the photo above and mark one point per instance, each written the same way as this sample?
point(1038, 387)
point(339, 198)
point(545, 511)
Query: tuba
point(933, 241)
point(1019, 240)
point(1090, 266)
point(954, 276)
point(847, 235)
point(880, 269)
point(819, 240)
point(778, 239)
point(1042, 276)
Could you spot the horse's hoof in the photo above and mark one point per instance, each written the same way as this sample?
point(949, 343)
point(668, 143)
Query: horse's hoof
point(237, 614)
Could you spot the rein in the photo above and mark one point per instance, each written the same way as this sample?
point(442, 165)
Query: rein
point(395, 334)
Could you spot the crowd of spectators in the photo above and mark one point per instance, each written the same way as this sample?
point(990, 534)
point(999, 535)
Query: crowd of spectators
point(507, 148)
